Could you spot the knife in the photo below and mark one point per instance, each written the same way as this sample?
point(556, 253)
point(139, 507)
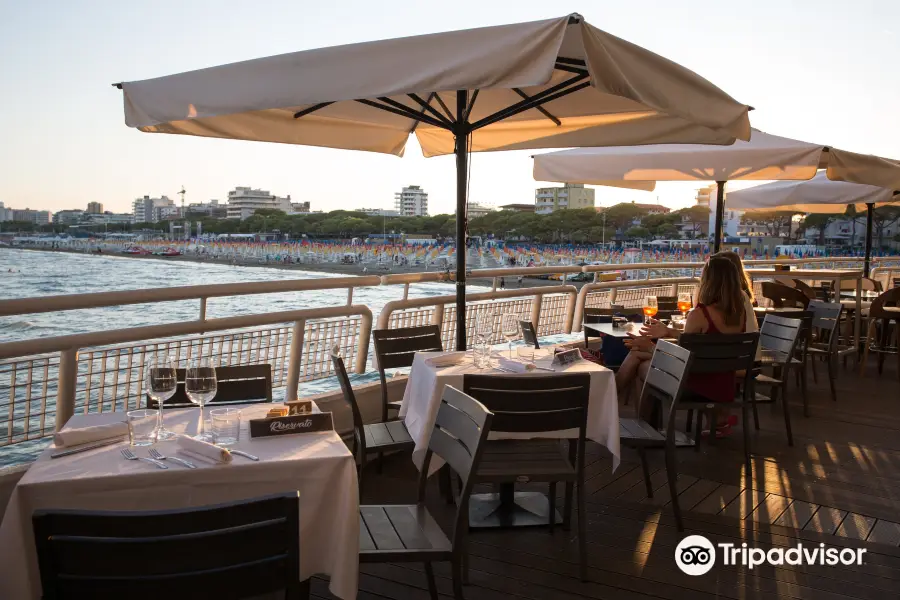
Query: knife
point(244, 454)
point(86, 447)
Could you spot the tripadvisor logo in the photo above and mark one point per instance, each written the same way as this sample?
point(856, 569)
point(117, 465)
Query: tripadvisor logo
point(696, 555)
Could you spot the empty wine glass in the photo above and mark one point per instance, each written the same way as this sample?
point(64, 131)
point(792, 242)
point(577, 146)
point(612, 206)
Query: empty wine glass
point(509, 326)
point(161, 383)
point(200, 387)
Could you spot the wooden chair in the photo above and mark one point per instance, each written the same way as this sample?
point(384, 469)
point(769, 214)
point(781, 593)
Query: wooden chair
point(391, 534)
point(235, 550)
point(783, 296)
point(778, 339)
point(396, 348)
point(885, 309)
point(720, 353)
point(664, 384)
point(535, 404)
point(804, 287)
point(375, 438)
point(247, 384)
point(824, 344)
point(529, 335)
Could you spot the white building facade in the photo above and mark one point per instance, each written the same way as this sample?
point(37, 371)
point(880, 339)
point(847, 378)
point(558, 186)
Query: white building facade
point(412, 201)
point(151, 210)
point(570, 196)
point(38, 217)
point(68, 217)
point(244, 201)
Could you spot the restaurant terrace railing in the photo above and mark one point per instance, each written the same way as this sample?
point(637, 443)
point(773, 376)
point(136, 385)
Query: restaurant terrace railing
point(43, 381)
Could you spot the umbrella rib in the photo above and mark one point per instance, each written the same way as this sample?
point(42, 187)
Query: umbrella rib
point(471, 104)
point(540, 109)
point(426, 106)
point(311, 109)
point(449, 112)
point(557, 91)
point(403, 113)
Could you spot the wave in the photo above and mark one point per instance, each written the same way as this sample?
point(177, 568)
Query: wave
point(17, 325)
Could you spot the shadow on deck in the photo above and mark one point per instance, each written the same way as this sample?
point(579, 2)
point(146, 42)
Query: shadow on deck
point(839, 484)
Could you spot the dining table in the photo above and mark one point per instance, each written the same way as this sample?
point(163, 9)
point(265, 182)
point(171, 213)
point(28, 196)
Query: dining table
point(627, 330)
point(318, 465)
point(422, 398)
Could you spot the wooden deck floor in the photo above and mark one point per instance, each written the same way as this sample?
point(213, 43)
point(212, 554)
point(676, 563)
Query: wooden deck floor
point(839, 484)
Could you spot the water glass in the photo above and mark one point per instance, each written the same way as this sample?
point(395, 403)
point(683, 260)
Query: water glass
point(526, 354)
point(482, 354)
point(226, 426)
point(200, 386)
point(142, 426)
point(161, 383)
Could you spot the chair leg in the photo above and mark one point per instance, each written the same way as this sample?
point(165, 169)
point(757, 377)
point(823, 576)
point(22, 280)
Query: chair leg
point(787, 413)
point(802, 370)
point(831, 368)
point(360, 471)
point(551, 499)
point(432, 586)
point(812, 365)
point(865, 356)
point(672, 476)
point(456, 573)
point(567, 506)
point(751, 398)
point(746, 427)
point(646, 467)
point(698, 429)
point(687, 423)
point(582, 530)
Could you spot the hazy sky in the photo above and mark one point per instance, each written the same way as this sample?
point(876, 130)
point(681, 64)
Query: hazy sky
point(818, 70)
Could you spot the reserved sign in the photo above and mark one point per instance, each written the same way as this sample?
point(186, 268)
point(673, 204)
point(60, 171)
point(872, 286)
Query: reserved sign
point(291, 424)
point(567, 357)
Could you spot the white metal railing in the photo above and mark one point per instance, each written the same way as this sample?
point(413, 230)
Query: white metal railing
point(43, 381)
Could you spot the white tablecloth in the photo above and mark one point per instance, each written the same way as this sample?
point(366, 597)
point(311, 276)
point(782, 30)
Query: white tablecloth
point(318, 465)
point(426, 385)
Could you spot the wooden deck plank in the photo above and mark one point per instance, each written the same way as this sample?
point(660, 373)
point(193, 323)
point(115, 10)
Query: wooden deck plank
point(770, 509)
point(717, 500)
point(797, 515)
point(662, 497)
point(826, 520)
point(743, 504)
point(856, 526)
point(698, 492)
point(885, 532)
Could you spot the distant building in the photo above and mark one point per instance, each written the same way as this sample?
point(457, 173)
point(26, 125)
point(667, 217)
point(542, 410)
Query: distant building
point(108, 218)
point(300, 208)
point(570, 196)
point(68, 217)
point(379, 212)
point(151, 210)
point(478, 210)
point(5, 213)
point(244, 201)
point(518, 207)
point(412, 201)
point(208, 209)
point(731, 223)
point(654, 209)
point(94, 208)
point(38, 217)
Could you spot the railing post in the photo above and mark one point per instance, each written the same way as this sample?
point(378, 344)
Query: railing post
point(293, 377)
point(65, 386)
point(362, 347)
point(536, 311)
point(612, 296)
point(674, 290)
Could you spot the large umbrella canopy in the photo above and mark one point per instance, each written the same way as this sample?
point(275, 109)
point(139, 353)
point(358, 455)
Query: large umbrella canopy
point(764, 157)
point(546, 84)
point(819, 194)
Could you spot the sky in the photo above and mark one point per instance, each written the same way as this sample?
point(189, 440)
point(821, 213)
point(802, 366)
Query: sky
point(822, 71)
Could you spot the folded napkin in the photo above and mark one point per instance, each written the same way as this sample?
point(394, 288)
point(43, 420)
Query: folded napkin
point(447, 359)
point(84, 435)
point(514, 365)
point(201, 449)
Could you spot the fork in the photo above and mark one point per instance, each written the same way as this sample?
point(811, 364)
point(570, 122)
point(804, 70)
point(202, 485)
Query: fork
point(128, 454)
point(154, 453)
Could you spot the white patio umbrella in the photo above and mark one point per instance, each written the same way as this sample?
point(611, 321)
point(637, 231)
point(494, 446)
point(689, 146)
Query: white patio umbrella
point(764, 157)
point(546, 84)
point(819, 194)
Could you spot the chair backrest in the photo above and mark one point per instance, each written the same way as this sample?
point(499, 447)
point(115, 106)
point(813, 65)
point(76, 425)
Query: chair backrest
point(720, 352)
point(397, 347)
point(897, 282)
point(240, 549)
point(888, 298)
point(826, 317)
point(872, 285)
point(783, 296)
point(780, 334)
point(527, 403)
point(247, 384)
point(529, 335)
point(667, 374)
point(460, 430)
point(666, 306)
point(803, 287)
point(359, 438)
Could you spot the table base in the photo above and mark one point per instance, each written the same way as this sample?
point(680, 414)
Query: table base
point(510, 509)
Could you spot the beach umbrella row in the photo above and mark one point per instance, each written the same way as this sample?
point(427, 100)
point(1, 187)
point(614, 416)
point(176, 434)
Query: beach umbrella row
point(555, 83)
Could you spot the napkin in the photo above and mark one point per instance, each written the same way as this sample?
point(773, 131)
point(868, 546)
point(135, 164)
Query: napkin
point(84, 435)
point(447, 359)
point(514, 365)
point(201, 449)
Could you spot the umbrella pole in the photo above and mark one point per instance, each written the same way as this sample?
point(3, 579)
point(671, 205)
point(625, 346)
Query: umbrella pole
point(720, 215)
point(462, 156)
point(870, 210)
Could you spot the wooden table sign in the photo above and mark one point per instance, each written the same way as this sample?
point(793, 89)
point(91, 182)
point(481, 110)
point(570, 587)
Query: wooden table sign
point(291, 424)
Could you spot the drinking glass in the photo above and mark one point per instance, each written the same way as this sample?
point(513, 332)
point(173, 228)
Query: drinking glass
point(200, 387)
point(481, 350)
point(160, 383)
point(142, 427)
point(651, 307)
point(684, 303)
point(226, 425)
point(509, 326)
point(526, 354)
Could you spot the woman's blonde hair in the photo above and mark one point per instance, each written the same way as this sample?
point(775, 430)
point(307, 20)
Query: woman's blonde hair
point(746, 284)
point(720, 284)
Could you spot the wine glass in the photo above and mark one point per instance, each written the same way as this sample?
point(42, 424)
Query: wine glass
point(684, 303)
point(509, 326)
point(161, 383)
point(651, 307)
point(200, 387)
